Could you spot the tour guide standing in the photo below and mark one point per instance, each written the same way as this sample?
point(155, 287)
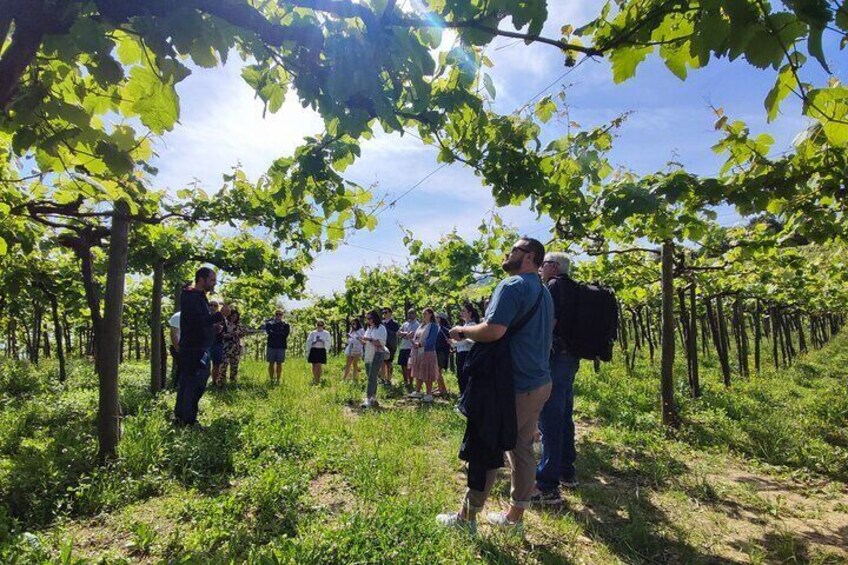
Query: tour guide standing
point(529, 348)
point(278, 338)
point(557, 419)
point(198, 326)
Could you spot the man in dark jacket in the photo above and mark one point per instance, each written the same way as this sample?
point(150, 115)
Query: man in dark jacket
point(557, 419)
point(512, 303)
point(198, 326)
point(392, 328)
point(278, 341)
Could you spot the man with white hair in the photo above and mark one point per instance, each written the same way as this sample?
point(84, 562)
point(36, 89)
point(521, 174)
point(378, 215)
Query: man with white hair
point(556, 422)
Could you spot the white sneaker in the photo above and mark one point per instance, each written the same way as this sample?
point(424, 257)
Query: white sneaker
point(427, 398)
point(415, 394)
point(501, 522)
point(366, 403)
point(454, 522)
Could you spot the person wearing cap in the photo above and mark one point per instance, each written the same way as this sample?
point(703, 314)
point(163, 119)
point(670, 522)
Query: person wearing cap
point(275, 352)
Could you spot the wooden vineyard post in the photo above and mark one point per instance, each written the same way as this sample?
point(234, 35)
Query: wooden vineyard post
point(692, 344)
point(669, 410)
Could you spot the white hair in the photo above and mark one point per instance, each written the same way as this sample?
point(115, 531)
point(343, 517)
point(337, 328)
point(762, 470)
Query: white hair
point(562, 261)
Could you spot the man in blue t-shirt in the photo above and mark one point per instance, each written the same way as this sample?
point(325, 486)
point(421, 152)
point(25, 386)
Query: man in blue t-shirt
point(530, 349)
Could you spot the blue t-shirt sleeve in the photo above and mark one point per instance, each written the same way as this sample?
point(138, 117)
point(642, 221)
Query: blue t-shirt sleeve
point(505, 304)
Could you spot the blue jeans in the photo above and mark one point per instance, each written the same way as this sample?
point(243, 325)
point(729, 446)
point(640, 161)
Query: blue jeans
point(556, 422)
point(190, 389)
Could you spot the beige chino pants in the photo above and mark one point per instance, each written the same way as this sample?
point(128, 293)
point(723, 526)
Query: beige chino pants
point(528, 406)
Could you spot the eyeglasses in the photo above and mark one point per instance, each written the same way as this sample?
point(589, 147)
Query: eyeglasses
point(549, 262)
point(519, 248)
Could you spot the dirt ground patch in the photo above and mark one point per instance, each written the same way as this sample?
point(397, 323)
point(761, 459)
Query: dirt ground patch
point(330, 493)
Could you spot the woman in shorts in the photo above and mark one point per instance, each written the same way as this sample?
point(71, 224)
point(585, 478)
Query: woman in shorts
point(353, 350)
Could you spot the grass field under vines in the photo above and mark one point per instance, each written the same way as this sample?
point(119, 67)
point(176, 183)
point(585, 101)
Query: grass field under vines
point(299, 474)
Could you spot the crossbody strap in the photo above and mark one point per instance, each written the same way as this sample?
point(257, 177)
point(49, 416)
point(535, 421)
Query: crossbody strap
point(516, 327)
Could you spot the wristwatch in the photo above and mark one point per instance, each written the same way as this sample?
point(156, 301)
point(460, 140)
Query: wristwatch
point(461, 334)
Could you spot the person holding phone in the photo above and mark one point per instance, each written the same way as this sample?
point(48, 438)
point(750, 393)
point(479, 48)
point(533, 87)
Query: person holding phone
point(317, 343)
point(353, 350)
point(376, 352)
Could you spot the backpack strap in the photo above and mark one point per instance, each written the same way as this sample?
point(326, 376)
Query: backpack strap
point(516, 327)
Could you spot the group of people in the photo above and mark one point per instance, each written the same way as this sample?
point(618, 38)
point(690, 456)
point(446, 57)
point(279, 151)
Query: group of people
point(206, 339)
point(530, 393)
point(423, 349)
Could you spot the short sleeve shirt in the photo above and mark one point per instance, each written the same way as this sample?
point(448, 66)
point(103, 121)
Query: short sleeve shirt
point(410, 327)
point(531, 346)
point(174, 322)
point(370, 348)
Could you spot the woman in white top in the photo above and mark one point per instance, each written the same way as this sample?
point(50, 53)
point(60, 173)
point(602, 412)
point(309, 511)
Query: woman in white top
point(375, 353)
point(463, 346)
point(317, 344)
point(353, 351)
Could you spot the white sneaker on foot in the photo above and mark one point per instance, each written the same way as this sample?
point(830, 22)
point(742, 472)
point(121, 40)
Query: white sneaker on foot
point(427, 398)
point(415, 394)
point(453, 521)
point(501, 522)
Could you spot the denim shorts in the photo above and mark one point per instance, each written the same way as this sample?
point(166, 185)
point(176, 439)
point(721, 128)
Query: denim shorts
point(275, 355)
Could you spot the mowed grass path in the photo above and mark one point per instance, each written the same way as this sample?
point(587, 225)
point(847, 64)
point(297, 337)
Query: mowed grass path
point(299, 474)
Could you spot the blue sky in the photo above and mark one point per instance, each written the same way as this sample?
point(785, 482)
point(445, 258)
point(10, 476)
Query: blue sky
point(221, 124)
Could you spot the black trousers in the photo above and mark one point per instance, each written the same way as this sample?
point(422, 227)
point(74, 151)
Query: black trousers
point(191, 387)
point(175, 367)
point(460, 370)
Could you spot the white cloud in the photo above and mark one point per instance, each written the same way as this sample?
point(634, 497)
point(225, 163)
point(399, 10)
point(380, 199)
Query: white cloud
point(222, 125)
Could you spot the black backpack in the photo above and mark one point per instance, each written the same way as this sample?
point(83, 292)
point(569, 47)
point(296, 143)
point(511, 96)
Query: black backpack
point(589, 323)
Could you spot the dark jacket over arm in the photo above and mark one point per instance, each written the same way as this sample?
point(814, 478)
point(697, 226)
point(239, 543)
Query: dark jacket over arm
point(489, 405)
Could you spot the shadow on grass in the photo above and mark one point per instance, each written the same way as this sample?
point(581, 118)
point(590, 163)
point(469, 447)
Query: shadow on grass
point(203, 459)
point(618, 513)
point(493, 553)
point(234, 394)
point(801, 547)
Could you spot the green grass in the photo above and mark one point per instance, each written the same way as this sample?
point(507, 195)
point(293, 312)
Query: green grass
point(298, 474)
